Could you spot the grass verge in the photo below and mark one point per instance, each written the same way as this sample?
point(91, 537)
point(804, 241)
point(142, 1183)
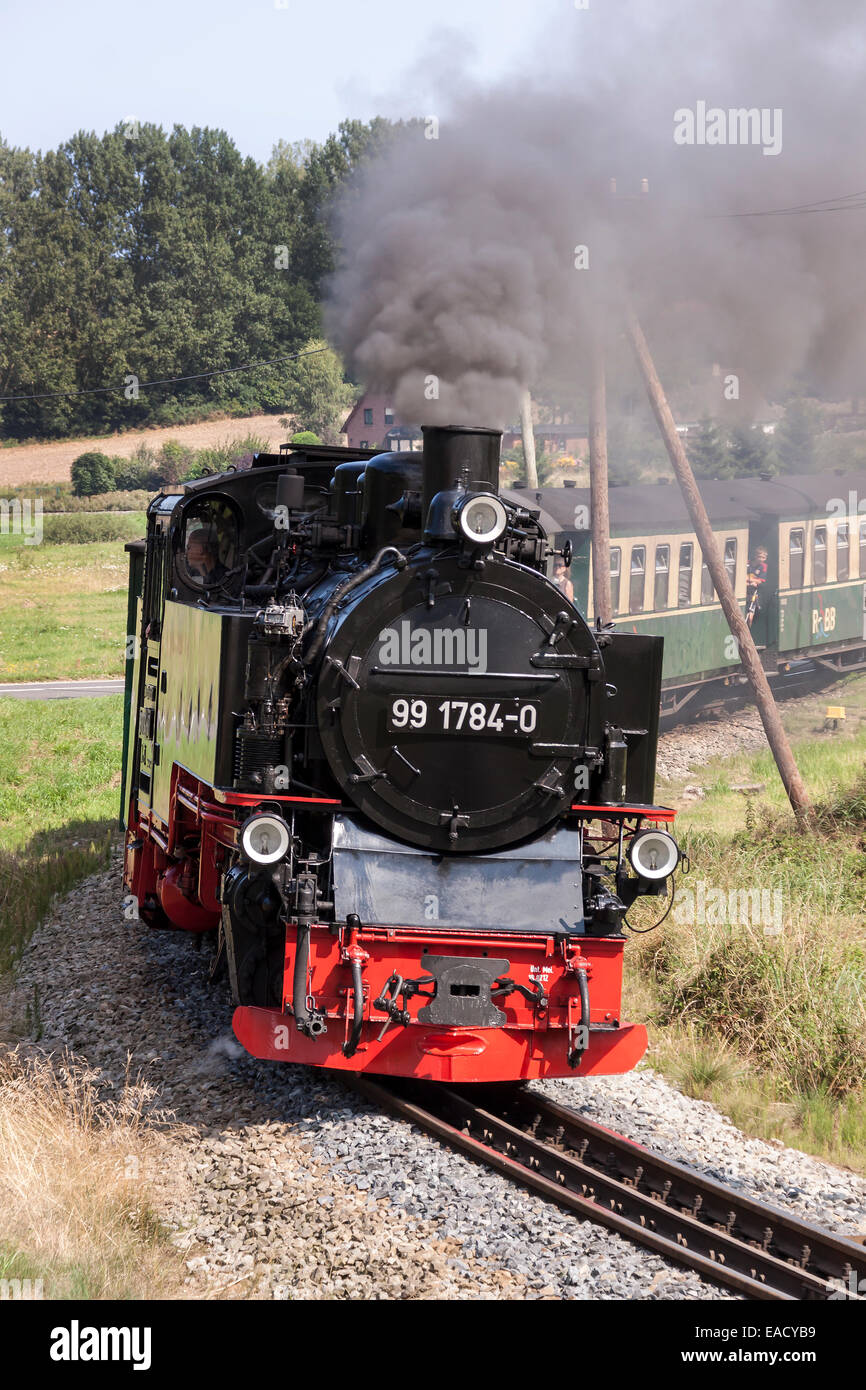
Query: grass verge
point(82, 1176)
point(755, 987)
point(59, 802)
point(81, 1184)
point(62, 609)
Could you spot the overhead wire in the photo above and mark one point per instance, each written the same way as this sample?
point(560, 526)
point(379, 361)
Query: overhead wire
point(169, 380)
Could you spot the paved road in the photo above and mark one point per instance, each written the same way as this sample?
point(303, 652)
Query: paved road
point(58, 690)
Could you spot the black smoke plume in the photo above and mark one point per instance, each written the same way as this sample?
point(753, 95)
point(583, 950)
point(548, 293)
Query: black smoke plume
point(459, 270)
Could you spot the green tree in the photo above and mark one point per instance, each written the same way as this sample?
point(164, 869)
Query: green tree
point(749, 453)
point(133, 474)
point(544, 463)
point(311, 189)
point(631, 448)
point(126, 260)
point(305, 437)
point(159, 256)
point(290, 155)
point(92, 473)
point(315, 391)
point(796, 436)
point(706, 450)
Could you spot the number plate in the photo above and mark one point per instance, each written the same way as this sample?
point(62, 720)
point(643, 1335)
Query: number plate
point(495, 718)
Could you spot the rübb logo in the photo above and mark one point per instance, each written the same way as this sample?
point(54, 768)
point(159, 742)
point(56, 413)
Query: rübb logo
point(823, 621)
point(463, 648)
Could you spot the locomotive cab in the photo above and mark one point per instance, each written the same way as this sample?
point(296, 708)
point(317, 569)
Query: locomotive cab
point(383, 758)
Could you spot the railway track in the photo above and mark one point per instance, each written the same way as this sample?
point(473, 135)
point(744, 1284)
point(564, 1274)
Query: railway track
point(757, 1250)
point(715, 702)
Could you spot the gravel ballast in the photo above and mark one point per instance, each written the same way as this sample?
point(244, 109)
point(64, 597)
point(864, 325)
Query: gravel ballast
point(297, 1188)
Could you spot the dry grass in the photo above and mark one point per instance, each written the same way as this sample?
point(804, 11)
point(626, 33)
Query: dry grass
point(793, 1002)
point(82, 1182)
point(763, 1011)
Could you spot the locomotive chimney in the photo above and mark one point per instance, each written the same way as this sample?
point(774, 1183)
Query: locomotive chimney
point(456, 454)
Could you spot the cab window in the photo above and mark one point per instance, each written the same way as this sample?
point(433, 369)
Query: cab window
point(863, 549)
point(796, 556)
point(662, 577)
point(684, 588)
point(637, 579)
point(210, 542)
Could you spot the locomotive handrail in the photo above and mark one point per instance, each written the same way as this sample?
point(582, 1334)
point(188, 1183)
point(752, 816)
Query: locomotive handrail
point(427, 671)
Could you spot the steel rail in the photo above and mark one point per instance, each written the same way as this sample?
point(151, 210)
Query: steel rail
point(730, 1239)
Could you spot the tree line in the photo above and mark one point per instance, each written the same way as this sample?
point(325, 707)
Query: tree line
point(749, 452)
point(138, 255)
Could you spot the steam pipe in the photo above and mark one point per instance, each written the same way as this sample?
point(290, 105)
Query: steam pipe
point(575, 1056)
point(299, 979)
point(351, 1047)
point(345, 588)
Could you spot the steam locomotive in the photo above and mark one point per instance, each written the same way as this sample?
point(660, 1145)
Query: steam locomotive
point(375, 751)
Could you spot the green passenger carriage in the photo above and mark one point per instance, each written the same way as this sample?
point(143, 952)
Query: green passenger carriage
point(810, 607)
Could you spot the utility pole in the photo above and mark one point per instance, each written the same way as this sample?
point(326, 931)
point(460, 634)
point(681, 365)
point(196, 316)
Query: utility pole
point(776, 736)
point(599, 508)
point(528, 434)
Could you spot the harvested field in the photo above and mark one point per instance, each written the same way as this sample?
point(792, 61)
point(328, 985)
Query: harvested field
point(51, 463)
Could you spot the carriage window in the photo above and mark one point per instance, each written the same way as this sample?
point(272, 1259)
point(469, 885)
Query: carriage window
point(615, 569)
point(684, 589)
point(863, 549)
point(843, 551)
point(819, 556)
point(637, 580)
point(731, 561)
point(662, 580)
point(796, 568)
point(708, 592)
point(210, 542)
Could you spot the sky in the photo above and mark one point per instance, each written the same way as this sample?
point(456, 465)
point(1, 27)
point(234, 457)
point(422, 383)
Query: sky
point(262, 70)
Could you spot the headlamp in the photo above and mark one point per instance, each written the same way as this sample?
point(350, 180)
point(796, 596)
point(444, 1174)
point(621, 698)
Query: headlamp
point(653, 854)
point(265, 838)
point(481, 519)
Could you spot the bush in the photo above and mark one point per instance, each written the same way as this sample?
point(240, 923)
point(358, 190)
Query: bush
point(174, 461)
point(847, 807)
point(305, 437)
point(131, 475)
point(80, 528)
point(794, 1006)
point(136, 501)
point(92, 473)
point(232, 453)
